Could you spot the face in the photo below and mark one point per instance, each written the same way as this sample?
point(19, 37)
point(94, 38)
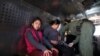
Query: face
point(55, 26)
point(36, 24)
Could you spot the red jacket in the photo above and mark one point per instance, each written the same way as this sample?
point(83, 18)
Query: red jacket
point(24, 42)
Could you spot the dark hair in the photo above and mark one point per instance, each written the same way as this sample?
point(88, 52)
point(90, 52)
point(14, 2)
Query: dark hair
point(34, 19)
point(56, 21)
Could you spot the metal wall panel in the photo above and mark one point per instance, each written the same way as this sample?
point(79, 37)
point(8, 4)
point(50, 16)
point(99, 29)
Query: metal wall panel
point(13, 15)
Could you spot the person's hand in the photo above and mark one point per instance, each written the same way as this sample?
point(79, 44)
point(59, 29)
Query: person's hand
point(47, 53)
point(70, 44)
point(54, 49)
point(54, 42)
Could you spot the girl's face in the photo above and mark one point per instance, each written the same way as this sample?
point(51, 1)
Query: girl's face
point(36, 24)
point(55, 26)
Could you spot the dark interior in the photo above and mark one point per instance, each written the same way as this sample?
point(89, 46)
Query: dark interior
point(15, 13)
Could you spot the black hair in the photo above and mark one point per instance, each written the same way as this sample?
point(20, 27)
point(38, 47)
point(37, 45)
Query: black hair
point(34, 19)
point(56, 21)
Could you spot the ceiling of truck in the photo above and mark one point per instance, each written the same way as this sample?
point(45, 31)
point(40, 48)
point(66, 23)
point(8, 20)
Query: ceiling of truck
point(62, 7)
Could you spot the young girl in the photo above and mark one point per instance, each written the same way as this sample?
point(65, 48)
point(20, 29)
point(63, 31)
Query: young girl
point(54, 38)
point(35, 43)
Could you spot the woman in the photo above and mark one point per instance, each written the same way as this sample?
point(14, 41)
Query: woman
point(35, 43)
point(54, 38)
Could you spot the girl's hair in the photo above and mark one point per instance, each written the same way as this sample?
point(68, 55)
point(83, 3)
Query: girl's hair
point(34, 19)
point(56, 21)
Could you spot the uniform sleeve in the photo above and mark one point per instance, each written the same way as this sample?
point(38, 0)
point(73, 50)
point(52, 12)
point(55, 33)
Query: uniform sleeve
point(76, 40)
point(34, 42)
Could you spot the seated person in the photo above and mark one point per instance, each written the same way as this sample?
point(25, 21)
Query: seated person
point(54, 38)
point(35, 43)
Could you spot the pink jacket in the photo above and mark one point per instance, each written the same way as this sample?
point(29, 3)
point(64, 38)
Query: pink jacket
point(24, 42)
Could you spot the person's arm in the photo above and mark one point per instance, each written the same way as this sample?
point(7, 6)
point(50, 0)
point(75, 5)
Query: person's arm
point(46, 42)
point(76, 40)
point(34, 42)
point(53, 36)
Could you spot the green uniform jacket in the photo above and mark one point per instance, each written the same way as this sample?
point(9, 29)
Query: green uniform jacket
point(85, 39)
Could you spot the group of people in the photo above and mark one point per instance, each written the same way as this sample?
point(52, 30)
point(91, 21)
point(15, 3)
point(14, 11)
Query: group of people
point(45, 42)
